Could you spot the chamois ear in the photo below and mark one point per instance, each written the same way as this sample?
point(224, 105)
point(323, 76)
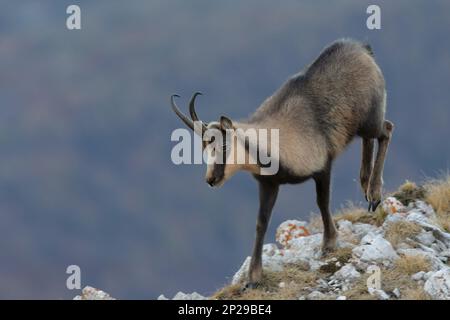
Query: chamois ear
point(226, 123)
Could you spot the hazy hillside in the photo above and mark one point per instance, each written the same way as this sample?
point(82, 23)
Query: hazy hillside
point(85, 170)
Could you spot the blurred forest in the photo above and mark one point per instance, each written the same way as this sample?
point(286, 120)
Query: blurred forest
point(85, 170)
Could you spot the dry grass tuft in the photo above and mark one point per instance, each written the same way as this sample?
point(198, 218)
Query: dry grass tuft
point(379, 216)
point(438, 196)
point(342, 256)
point(397, 278)
point(436, 192)
point(412, 264)
point(399, 231)
point(229, 292)
point(294, 277)
point(359, 290)
point(415, 294)
point(355, 214)
point(409, 192)
point(329, 268)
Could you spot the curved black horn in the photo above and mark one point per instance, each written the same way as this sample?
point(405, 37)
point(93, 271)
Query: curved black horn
point(192, 106)
point(192, 112)
point(185, 119)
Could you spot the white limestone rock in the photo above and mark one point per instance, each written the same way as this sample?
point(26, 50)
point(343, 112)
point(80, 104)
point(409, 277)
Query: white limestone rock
point(374, 248)
point(380, 294)
point(428, 223)
point(90, 293)
point(242, 272)
point(347, 273)
point(362, 229)
point(427, 275)
point(291, 256)
point(424, 207)
point(426, 238)
point(438, 285)
point(390, 219)
point(445, 253)
point(418, 276)
point(419, 218)
point(270, 249)
point(316, 295)
point(309, 247)
point(273, 262)
point(345, 226)
point(188, 296)
point(290, 230)
point(392, 206)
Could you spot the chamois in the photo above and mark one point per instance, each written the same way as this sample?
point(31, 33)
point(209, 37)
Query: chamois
point(318, 113)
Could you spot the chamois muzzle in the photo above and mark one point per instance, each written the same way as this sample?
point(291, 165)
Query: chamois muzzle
point(215, 181)
point(211, 181)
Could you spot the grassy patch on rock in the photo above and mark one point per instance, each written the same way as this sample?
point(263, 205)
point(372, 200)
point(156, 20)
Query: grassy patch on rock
point(438, 196)
point(409, 265)
point(398, 231)
point(409, 192)
point(294, 278)
point(396, 277)
point(356, 214)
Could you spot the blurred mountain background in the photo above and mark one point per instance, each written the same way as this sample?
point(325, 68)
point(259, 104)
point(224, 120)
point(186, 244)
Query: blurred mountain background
point(85, 124)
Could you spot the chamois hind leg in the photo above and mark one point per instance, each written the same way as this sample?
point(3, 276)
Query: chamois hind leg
point(376, 178)
point(322, 180)
point(366, 164)
point(267, 196)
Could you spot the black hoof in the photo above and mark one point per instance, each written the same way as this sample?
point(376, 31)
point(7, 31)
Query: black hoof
point(373, 205)
point(249, 286)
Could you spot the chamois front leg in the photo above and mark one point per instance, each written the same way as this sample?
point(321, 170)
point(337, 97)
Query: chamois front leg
point(366, 164)
point(322, 180)
point(376, 179)
point(267, 196)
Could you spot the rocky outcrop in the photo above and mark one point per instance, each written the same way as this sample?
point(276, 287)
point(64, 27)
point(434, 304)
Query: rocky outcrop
point(369, 248)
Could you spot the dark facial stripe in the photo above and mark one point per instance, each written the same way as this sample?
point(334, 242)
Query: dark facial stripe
point(219, 168)
point(218, 171)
